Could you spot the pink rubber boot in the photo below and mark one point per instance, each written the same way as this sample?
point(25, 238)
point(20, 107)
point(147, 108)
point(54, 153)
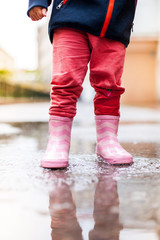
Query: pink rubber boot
point(56, 155)
point(108, 146)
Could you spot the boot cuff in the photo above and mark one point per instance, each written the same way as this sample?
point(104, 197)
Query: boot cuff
point(106, 117)
point(59, 118)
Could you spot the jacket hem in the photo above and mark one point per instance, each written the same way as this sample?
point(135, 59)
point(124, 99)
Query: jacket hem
point(81, 28)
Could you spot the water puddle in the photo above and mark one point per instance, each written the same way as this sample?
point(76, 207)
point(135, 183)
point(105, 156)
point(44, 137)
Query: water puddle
point(89, 199)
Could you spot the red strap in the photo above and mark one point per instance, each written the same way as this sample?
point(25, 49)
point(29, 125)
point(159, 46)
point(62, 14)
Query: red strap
point(108, 17)
point(135, 3)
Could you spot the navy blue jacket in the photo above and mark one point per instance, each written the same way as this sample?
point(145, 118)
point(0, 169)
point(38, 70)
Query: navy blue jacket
point(112, 19)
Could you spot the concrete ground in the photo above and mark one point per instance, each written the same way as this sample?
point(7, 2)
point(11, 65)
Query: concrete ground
point(88, 200)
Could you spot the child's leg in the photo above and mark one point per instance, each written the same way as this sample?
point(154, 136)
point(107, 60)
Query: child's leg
point(71, 55)
point(106, 65)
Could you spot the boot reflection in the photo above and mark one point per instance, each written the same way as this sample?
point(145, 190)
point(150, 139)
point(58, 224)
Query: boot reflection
point(106, 211)
point(64, 223)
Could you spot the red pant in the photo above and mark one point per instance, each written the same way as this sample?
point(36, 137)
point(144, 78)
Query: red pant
point(72, 51)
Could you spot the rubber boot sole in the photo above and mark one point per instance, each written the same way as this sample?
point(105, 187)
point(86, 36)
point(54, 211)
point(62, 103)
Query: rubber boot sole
point(117, 161)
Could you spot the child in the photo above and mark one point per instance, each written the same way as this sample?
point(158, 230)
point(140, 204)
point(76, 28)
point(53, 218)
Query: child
point(83, 31)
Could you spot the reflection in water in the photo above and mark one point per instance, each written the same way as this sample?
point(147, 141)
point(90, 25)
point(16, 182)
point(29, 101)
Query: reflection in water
point(64, 222)
point(138, 187)
point(106, 211)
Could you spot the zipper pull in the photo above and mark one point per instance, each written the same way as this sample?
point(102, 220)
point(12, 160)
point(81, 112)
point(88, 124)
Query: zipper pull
point(60, 5)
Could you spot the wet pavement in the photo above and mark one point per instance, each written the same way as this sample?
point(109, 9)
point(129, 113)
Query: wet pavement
point(88, 200)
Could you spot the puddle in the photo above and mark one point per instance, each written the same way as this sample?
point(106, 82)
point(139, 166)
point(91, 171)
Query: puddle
point(89, 199)
point(8, 130)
